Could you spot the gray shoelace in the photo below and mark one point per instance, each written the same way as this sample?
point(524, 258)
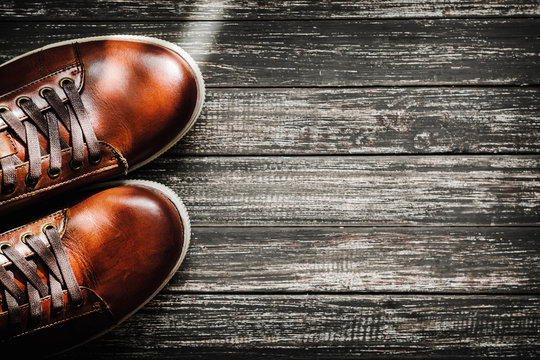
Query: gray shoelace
point(75, 119)
point(60, 277)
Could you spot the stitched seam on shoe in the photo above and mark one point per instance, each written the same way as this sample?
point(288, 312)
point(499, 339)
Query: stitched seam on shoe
point(48, 297)
point(110, 147)
point(97, 171)
point(34, 192)
point(56, 215)
point(64, 68)
point(59, 215)
point(59, 322)
point(119, 154)
point(17, 167)
point(10, 138)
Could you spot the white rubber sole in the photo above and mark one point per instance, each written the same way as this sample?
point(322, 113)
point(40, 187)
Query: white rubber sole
point(201, 91)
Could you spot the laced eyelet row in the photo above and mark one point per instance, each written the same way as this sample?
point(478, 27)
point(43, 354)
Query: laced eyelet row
point(42, 91)
point(73, 289)
point(94, 155)
point(24, 236)
point(32, 184)
point(44, 229)
point(52, 175)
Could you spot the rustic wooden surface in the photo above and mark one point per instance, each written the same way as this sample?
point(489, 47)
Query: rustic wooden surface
point(374, 120)
point(338, 53)
point(354, 190)
point(363, 181)
point(354, 326)
point(463, 260)
point(263, 9)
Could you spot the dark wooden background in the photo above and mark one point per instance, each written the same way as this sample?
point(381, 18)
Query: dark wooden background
point(363, 181)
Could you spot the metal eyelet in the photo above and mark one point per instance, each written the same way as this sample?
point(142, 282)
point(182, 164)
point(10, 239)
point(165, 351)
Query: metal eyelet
point(97, 160)
point(75, 167)
point(58, 312)
point(65, 80)
point(53, 175)
point(48, 227)
point(29, 183)
point(43, 90)
point(79, 305)
point(3, 245)
point(8, 190)
point(4, 107)
point(20, 99)
point(24, 236)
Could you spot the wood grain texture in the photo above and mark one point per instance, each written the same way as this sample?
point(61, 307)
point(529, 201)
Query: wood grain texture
point(328, 53)
point(305, 326)
point(366, 121)
point(438, 254)
point(338, 260)
point(361, 190)
point(259, 9)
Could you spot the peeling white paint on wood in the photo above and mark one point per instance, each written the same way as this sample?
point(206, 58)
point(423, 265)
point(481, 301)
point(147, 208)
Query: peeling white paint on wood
point(360, 190)
point(239, 294)
point(330, 52)
point(366, 121)
point(338, 327)
point(261, 10)
point(430, 260)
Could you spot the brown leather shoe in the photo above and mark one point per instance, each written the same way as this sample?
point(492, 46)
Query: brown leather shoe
point(81, 111)
point(77, 272)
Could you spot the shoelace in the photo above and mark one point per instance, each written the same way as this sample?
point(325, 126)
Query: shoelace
point(74, 118)
point(60, 277)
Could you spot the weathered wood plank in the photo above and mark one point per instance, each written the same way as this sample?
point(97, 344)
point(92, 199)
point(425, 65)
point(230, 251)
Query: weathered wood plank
point(258, 9)
point(431, 260)
point(366, 121)
point(307, 326)
point(358, 190)
point(328, 53)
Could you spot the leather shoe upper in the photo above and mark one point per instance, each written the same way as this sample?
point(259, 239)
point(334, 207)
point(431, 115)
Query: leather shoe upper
point(123, 244)
point(136, 97)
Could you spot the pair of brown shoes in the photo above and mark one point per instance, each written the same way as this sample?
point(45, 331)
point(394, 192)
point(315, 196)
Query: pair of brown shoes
point(74, 114)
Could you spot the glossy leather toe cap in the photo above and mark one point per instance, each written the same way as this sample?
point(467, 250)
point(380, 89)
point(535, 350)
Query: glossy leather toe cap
point(142, 96)
point(124, 243)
